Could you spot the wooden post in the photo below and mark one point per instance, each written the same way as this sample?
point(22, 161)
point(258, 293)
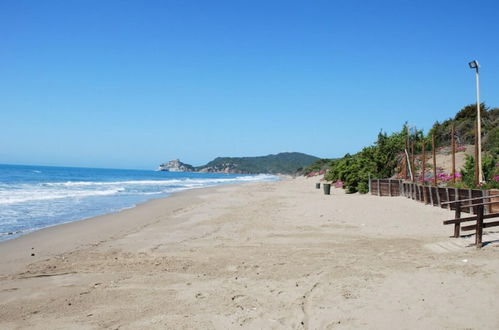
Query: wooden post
point(476, 156)
point(453, 132)
point(431, 196)
point(369, 183)
point(405, 158)
point(470, 195)
point(457, 226)
point(447, 206)
point(412, 163)
point(424, 162)
point(433, 149)
point(379, 189)
point(404, 168)
point(479, 227)
point(437, 190)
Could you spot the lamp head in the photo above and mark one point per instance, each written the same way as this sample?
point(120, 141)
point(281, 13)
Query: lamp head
point(473, 65)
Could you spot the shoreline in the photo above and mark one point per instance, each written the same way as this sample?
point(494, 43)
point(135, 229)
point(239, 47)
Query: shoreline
point(263, 255)
point(34, 198)
point(61, 238)
point(18, 235)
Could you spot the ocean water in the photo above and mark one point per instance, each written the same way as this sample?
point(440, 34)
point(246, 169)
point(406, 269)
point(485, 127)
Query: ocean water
point(35, 197)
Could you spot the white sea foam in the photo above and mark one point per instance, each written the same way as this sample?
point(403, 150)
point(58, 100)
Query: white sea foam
point(187, 181)
point(32, 195)
point(79, 189)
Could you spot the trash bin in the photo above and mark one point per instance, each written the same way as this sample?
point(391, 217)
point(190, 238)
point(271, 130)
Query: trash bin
point(327, 188)
point(318, 185)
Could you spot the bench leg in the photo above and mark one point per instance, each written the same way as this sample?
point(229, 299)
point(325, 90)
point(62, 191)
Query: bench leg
point(457, 230)
point(457, 226)
point(479, 227)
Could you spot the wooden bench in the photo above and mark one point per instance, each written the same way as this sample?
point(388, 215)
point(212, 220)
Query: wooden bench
point(478, 217)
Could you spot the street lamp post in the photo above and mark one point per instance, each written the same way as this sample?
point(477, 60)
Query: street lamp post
point(474, 65)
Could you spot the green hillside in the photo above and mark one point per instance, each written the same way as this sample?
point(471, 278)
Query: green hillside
point(282, 163)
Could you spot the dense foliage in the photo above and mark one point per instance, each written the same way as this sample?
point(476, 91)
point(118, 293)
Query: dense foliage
point(489, 169)
point(317, 166)
point(377, 161)
point(464, 123)
point(381, 159)
point(282, 163)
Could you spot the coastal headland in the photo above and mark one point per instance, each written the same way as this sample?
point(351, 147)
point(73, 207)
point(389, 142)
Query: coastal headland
point(269, 255)
point(282, 163)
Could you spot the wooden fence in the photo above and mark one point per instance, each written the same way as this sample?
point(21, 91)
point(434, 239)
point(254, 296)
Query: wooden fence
point(385, 187)
point(483, 204)
point(479, 217)
point(436, 196)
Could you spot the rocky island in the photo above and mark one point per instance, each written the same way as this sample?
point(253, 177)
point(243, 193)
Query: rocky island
point(176, 166)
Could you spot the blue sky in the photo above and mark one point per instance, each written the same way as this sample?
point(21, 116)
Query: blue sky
point(130, 84)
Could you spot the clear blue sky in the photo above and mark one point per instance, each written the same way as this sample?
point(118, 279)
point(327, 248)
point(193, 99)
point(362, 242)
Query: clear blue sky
point(130, 84)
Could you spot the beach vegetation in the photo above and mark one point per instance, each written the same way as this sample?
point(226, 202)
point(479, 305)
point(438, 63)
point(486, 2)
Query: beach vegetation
point(382, 159)
point(376, 161)
point(464, 123)
point(490, 172)
point(316, 167)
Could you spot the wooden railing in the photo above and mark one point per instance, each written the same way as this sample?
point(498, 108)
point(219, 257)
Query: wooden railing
point(436, 196)
point(482, 204)
point(477, 205)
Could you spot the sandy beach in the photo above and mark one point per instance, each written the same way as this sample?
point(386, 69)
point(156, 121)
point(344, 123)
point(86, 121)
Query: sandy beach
point(273, 255)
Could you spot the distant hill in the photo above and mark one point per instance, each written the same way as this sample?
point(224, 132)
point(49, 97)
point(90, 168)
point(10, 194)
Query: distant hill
point(282, 163)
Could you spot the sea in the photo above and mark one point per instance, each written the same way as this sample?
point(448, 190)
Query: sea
point(35, 197)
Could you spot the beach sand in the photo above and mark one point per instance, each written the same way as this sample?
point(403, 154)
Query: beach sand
point(274, 255)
